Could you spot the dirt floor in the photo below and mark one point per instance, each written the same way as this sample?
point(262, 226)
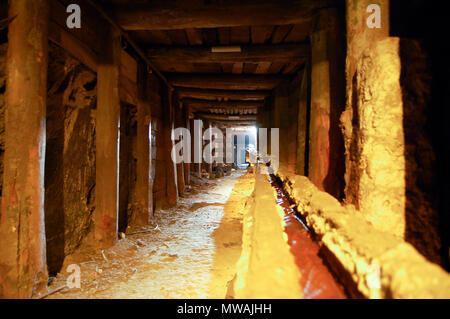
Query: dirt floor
point(192, 253)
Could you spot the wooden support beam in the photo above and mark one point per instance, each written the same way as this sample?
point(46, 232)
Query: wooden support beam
point(163, 15)
point(204, 94)
point(144, 207)
point(248, 53)
point(187, 166)
point(23, 267)
point(128, 90)
point(108, 114)
point(92, 28)
point(73, 46)
point(128, 66)
point(171, 167)
point(196, 143)
point(203, 104)
point(302, 123)
point(223, 124)
point(221, 117)
point(127, 37)
point(179, 122)
point(207, 166)
point(226, 81)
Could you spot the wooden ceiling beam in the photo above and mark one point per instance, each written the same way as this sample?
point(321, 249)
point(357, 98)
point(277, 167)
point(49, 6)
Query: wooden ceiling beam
point(222, 117)
point(164, 15)
point(235, 95)
point(204, 104)
point(130, 41)
point(226, 81)
point(230, 124)
point(249, 54)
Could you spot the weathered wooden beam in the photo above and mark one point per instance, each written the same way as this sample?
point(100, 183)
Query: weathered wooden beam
point(92, 28)
point(226, 81)
point(225, 124)
point(127, 37)
point(128, 91)
point(73, 46)
point(128, 77)
point(164, 15)
point(107, 126)
point(221, 117)
point(171, 166)
point(202, 104)
point(144, 207)
point(248, 53)
point(128, 66)
point(23, 267)
point(204, 94)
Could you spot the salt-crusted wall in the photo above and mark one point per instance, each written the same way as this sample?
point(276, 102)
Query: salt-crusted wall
point(390, 162)
point(421, 180)
point(70, 155)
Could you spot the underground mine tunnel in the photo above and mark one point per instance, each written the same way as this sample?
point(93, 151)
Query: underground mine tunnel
point(224, 149)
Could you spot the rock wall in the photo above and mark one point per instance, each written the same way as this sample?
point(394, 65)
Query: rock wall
point(70, 155)
point(369, 262)
point(376, 166)
point(390, 162)
point(421, 181)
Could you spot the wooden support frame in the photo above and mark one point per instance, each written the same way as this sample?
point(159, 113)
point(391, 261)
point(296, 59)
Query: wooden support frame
point(248, 53)
point(23, 266)
point(205, 94)
point(73, 46)
point(226, 81)
point(203, 104)
point(107, 143)
point(221, 117)
point(162, 15)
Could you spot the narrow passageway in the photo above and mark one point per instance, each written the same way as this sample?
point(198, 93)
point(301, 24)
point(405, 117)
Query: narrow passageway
point(192, 253)
point(232, 149)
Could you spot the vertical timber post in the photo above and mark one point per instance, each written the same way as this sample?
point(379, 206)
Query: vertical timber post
point(180, 166)
point(320, 104)
point(143, 169)
point(326, 161)
point(107, 143)
point(198, 145)
point(171, 168)
point(23, 269)
point(187, 166)
point(208, 166)
point(302, 128)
